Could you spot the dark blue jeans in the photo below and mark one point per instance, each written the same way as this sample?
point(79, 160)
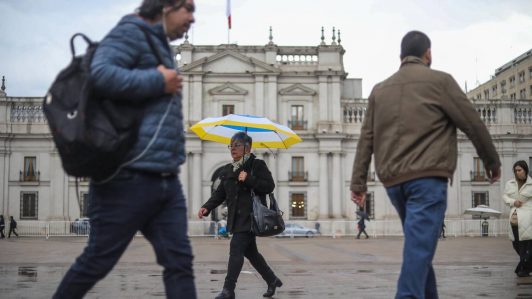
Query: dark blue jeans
point(421, 204)
point(130, 202)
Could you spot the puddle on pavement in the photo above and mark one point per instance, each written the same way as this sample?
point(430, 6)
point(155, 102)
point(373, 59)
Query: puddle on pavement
point(27, 274)
point(294, 293)
point(216, 271)
point(364, 271)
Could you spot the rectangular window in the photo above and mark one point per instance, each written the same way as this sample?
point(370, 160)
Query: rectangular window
point(298, 169)
point(512, 96)
point(486, 94)
point(84, 204)
point(478, 174)
point(298, 207)
point(494, 90)
point(512, 81)
point(480, 198)
point(530, 72)
point(503, 86)
point(522, 77)
point(297, 121)
point(479, 96)
point(228, 109)
point(30, 169)
point(522, 94)
point(28, 205)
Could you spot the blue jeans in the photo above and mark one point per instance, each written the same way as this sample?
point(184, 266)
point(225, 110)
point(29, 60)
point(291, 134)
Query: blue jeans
point(421, 205)
point(130, 202)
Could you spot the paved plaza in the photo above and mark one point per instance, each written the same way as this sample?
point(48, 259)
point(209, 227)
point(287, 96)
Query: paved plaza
point(309, 268)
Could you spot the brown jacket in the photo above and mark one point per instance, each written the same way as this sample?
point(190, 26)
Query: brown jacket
point(410, 127)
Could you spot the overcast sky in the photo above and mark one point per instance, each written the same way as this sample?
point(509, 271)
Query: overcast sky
point(470, 39)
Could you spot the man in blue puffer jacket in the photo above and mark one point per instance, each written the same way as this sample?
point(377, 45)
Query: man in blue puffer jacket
point(145, 193)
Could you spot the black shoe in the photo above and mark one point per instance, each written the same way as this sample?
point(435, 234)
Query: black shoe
point(523, 274)
point(226, 294)
point(277, 283)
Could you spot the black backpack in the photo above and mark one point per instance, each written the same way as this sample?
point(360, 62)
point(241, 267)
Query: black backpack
point(91, 133)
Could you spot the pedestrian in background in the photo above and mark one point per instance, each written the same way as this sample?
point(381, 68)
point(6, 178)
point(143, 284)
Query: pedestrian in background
point(410, 129)
point(12, 227)
point(2, 227)
point(518, 196)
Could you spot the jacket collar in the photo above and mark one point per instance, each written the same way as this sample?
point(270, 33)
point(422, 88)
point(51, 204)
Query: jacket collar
point(412, 59)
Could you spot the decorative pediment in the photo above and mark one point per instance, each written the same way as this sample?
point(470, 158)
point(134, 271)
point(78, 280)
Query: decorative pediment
point(232, 62)
point(228, 89)
point(298, 90)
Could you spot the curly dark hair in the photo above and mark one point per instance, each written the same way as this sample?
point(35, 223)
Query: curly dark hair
point(151, 9)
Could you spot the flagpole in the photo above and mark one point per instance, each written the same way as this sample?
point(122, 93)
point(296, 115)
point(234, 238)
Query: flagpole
point(228, 14)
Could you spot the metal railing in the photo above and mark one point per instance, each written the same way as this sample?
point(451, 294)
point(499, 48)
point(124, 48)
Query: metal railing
point(328, 228)
point(298, 176)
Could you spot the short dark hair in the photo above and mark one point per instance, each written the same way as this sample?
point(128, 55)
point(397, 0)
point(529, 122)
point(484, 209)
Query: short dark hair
point(414, 43)
point(150, 9)
point(521, 164)
point(242, 137)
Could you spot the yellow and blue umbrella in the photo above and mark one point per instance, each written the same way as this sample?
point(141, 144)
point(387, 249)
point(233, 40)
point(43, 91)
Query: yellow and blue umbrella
point(264, 132)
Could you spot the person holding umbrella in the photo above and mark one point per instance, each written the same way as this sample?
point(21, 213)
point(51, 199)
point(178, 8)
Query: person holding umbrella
point(518, 196)
point(238, 179)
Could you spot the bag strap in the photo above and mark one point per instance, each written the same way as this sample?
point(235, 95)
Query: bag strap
point(72, 48)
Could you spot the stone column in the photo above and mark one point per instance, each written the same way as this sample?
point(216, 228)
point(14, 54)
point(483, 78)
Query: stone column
point(260, 105)
point(334, 105)
point(185, 98)
point(4, 180)
point(336, 187)
point(57, 205)
point(184, 172)
point(323, 99)
point(196, 192)
point(323, 188)
point(197, 101)
point(271, 110)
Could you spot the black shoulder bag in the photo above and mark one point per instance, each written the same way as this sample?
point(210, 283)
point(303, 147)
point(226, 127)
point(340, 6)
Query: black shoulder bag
point(266, 221)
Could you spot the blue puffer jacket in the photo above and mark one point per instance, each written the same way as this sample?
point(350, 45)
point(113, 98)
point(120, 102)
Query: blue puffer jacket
point(124, 67)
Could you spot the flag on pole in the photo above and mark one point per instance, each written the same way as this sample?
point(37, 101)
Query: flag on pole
point(228, 13)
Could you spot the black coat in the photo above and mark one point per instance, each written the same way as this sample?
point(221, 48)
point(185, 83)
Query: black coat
point(238, 194)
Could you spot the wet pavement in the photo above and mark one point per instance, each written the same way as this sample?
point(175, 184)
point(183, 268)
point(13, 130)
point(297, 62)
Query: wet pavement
point(309, 268)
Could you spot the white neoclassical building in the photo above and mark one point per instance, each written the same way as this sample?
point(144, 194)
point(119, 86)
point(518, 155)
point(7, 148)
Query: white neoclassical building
point(303, 87)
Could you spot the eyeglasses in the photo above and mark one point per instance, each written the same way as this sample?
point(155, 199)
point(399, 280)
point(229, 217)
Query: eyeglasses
point(234, 145)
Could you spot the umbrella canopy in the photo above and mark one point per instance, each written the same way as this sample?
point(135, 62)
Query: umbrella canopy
point(482, 211)
point(264, 132)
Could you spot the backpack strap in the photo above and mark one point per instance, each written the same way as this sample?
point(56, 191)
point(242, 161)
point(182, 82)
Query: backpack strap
point(150, 42)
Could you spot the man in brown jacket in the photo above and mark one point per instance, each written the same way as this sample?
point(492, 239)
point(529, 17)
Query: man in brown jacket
point(410, 128)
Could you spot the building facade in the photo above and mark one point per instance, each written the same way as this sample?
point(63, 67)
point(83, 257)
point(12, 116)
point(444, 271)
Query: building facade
point(511, 81)
point(303, 87)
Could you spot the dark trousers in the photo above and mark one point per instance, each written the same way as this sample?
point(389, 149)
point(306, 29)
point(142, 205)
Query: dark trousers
point(130, 202)
point(362, 230)
point(2, 234)
point(245, 245)
point(524, 250)
point(12, 230)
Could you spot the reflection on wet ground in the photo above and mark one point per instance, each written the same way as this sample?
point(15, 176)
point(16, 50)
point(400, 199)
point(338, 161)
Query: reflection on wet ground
point(317, 268)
